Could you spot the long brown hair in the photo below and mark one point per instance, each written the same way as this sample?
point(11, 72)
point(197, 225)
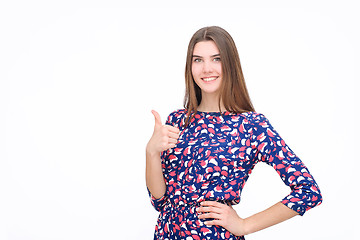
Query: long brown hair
point(233, 91)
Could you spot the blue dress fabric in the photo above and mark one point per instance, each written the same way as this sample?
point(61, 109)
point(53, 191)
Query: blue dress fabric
point(212, 160)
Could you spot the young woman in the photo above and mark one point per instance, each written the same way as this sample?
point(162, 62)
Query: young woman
point(198, 163)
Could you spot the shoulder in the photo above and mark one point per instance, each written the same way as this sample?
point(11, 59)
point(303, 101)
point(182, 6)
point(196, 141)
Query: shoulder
point(179, 113)
point(254, 117)
point(175, 117)
point(255, 121)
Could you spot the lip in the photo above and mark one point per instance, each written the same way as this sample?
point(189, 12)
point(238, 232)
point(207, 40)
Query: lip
point(209, 79)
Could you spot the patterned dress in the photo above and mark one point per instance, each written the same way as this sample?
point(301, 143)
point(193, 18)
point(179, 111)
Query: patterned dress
point(212, 160)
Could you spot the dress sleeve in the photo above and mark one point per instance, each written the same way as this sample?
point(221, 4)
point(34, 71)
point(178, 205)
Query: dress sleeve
point(270, 148)
point(158, 203)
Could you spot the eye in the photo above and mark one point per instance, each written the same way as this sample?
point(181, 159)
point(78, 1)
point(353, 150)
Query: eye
point(217, 59)
point(197, 60)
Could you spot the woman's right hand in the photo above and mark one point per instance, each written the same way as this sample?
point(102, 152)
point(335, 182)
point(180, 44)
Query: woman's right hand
point(164, 136)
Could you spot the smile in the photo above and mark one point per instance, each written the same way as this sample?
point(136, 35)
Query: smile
point(209, 79)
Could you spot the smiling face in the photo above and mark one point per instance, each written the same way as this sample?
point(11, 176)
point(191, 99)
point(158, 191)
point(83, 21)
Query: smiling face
point(206, 67)
point(211, 84)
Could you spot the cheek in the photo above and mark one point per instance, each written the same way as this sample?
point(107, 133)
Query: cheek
point(219, 69)
point(195, 69)
point(192, 72)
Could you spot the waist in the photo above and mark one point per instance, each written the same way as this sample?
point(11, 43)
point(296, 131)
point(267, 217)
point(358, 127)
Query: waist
point(179, 204)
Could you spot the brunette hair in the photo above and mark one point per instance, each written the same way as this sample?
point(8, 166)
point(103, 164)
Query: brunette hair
point(233, 91)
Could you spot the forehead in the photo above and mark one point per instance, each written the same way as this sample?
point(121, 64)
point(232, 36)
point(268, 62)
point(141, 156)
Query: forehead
point(205, 48)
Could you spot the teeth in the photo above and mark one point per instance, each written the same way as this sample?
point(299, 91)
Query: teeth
point(209, 79)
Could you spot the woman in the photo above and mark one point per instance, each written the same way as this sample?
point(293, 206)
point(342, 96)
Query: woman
point(198, 163)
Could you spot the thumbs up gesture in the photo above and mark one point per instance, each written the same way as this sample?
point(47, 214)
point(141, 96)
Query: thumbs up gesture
point(164, 136)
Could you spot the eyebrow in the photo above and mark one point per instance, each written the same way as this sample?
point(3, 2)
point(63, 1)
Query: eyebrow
point(215, 55)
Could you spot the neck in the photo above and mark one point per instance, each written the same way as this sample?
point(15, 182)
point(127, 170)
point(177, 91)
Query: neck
point(210, 103)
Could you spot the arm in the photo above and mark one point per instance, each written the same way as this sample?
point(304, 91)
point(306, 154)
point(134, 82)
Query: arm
point(227, 217)
point(155, 181)
point(267, 218)
point(163, 138)
point(271, 149)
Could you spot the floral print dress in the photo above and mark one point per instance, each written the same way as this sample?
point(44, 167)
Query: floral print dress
point(212, 160)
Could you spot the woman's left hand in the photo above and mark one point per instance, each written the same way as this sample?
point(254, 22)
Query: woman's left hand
point(223, 215)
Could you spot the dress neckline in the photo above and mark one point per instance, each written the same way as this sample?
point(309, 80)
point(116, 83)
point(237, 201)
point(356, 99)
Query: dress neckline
point(225, 113)
point(215, 113)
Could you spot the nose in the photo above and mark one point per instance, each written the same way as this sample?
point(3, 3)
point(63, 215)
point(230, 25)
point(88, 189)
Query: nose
point(207, 67)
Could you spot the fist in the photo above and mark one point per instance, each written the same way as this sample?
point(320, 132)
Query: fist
point(164, 136)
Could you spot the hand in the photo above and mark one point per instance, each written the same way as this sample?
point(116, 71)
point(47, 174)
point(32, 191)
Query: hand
point(223, 215)
point(164, 136)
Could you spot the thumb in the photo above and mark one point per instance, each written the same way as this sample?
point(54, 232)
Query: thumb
point(157, 118)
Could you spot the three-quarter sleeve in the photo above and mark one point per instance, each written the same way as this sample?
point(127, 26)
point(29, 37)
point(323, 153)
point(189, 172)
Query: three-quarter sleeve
point(158, 203)
point(270, 148)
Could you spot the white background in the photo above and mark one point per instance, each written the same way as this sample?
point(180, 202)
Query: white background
point(78, 80)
